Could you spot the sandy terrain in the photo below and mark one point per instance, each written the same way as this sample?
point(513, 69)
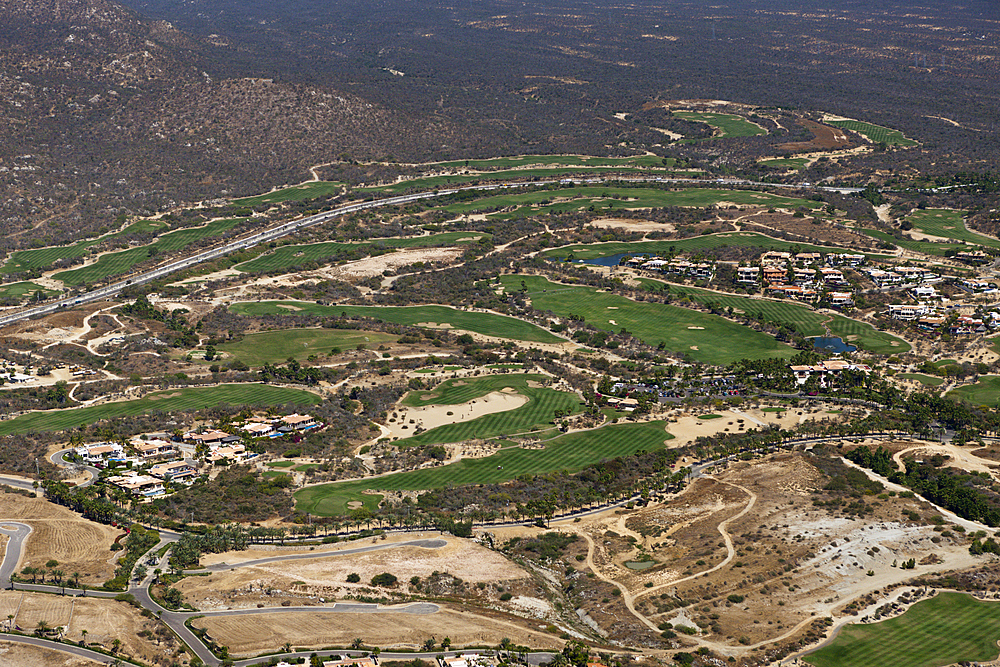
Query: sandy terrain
point(104, 621)
point(253, 634)
point(30, 656)
point(687, 427)
point(633, 225)
point(326, 577)
point(432, 416)
point(374, 266)
point(79, 545)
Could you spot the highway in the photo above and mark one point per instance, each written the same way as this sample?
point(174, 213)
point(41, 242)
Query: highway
point(284, 229)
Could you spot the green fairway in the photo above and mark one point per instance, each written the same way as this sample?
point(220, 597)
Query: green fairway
point(928, 380)
point(785, 163)
point(874, 133)
point(295, 255)
point(729, 125)
point(948, 223)
point(944, 630)
point(117, 263)
point(706, 242)
point(309, 190)
point(925, 247)
point(273, 347)
point(570, 452)
point(984, 392)
point(487, 324)
point(866, 336)
point(610, 198)
point(706, 338)
point(556, 160)
point(188, 398)
point(537, 414)
point(23, 260)
point(23, 290)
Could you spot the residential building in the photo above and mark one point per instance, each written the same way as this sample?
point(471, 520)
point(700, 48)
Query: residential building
point(845, 259)
point(841, 298)
point(907, 312)
point(832, 276)
point(748, 274)
point(99, 452)
point(299, 422)
point(139, 485)
point(151, 449)
point(830, 368)
point(173, 471)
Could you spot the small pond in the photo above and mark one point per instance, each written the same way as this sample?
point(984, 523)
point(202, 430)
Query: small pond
point(639, 564)
point(832, 344)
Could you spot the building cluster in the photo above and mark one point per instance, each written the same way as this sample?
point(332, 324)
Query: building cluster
point(827, 371)
point(805, 275)
point(676, 267)
point(902, 275)
point(155, 459)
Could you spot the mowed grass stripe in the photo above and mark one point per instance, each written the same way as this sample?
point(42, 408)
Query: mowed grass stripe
point(729, 125)
point(610, 197)
point(946, 629)
point(37, 258)
point(948, 223)
point(487, 324)
point(272, 347)
point(188, 398)
point(309, 190)
point(984, 392)
point(537, 414)
point(570, 452)
point(707, 242)
point(707, 338)
point(551, 160)
point(294, 255)
point(875, 133)
point(117, 263)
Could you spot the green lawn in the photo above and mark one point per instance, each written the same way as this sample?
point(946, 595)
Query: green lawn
point(309, 190)
point(272, 347)
point(947, 629)
point(188, 398)
point(117, 263)
point(23, 290)
point(948, 223)
point(38, 258)
point(432, 369)
point(487, 324)
point(984, 392)
point(866, 336)
point(280, 464)
point(928, 380)
point(875, 133)
point(537, 415)
point(609, 198)
point(786, 163)
point(729, 125)
point(706, 338)
point(570, 452)
point(925, 247)
point(706, 242)
point(294, 255)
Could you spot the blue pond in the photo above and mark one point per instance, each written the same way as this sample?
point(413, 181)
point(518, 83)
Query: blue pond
point(613, 260)
point(832, 344)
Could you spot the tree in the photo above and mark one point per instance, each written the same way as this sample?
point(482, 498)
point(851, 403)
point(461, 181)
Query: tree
point(384, 579)
point(43, 628)
point(353, 578)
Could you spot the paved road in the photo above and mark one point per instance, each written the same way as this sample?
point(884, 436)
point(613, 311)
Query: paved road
point(59, 459)
point(26, 484)
point(17, 532)
point(287, 228)
point(426, 544)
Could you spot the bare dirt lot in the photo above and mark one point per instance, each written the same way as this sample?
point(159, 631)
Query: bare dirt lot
point(31, 656)
point(825, 137)
point(326, 576)
point(255, 633)
point(77, 544)
point(104, 621)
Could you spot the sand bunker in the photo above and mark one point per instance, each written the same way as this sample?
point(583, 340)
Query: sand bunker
point(432, 416)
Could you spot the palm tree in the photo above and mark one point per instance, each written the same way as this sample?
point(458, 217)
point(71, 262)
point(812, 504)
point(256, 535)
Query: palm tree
point(43, 628)
point(83, 642)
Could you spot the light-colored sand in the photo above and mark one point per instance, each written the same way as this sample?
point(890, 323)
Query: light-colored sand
point(688, 427)
point(374, 266)
point(432, 416)
point(633, 225)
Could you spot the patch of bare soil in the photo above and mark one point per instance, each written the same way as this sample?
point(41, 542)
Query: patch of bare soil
point(375, 266)
point(77, 544)
point(825, 137)
point(33, 656)
point(406, 421)
point(633, 225)
point(326, 576)
point(256, 633)
point(104, 620)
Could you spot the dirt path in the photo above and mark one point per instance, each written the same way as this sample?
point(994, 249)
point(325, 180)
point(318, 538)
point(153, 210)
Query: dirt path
point(959, 458)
